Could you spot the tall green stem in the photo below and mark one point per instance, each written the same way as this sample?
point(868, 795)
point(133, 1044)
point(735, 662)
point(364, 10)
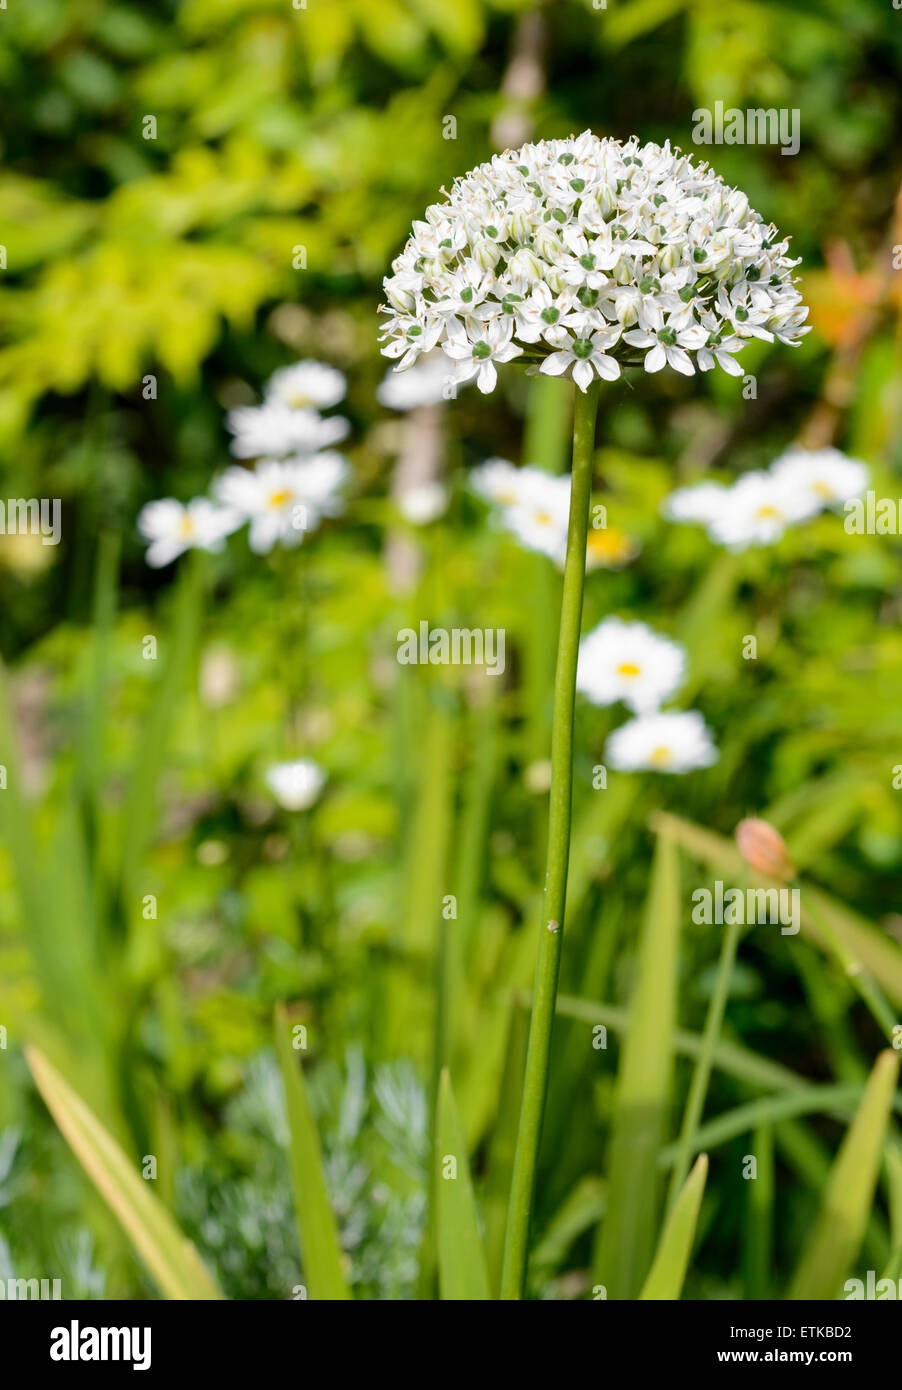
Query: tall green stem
point(535, 1082)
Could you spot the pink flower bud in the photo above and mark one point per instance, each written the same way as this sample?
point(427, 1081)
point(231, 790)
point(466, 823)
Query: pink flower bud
point(764, 849)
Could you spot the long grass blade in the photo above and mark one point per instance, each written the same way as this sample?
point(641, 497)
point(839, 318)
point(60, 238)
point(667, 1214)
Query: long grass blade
point(838, 1231)
point(463, 1274)
point(169, 1256)
point(642, 1097)
point(667, 1274)
point(317, 1231)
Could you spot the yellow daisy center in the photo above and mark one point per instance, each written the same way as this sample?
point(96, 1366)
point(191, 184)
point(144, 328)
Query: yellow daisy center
point(609, 547)
point(823, 490)
point(628, 668)
point(661, 755)
point(767, 513)
point(187, 526)
point(279, 499)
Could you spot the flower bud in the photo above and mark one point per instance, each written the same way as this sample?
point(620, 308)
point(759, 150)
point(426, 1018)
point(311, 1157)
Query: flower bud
point(738, 206)
point(520, 227)
point(764, 850)
point(487, 254)
point(606, 201)
point(554, 279)
point(671, 257)
point(400, 293)
point(546, 243)
point(626, 307)
point(623, 271)
point(525, 265)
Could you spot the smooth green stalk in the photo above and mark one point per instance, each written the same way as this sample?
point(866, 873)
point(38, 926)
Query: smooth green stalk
point(535, 1083)
point(862, 982)
point(701, 1075)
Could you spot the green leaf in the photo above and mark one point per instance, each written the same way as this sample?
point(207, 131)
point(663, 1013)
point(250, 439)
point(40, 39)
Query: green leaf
point(839, 1229)
point(317, 1233)
point(140, 808)
point(665, 1278)
point(461, 1258)
point(169, 1256)
point(504, 1142)
point(642, 1098)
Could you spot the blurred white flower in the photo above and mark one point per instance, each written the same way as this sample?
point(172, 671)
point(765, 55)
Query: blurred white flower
point(757, 511)
point(554, 249)
point(759, 506)
point(672, 741)
point(425, 383)
point(173, 528)
point(499, 481)
point(306, 384)
point(703, 502)
point(283, 499)
point(275, 429)
point(424, 503)
point(295, 785)
point(539, 516)
point(826, 476)
point(629, 662)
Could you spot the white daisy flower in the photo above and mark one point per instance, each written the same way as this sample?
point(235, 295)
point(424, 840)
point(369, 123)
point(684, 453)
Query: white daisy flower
point(275, 429)
point(825, 476)
point(758, 509)
point(701, 502)
point(629, 662)
point(424, 503)
point(425, 383)
point(172, 528)
point(499, 481)
point(673, 741)
point(295, 785)
point(539, 517)
point(282, 499)
point(306, 385)
point(640, 235)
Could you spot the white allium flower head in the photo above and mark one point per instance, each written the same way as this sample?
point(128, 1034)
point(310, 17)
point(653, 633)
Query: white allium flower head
point(629, 662)
point(295, 785)
point(671, 741)
point(827, 476)
point(275, 429)
point(283, 499)
point(582, 254)
point(424, 383)
point(424, 503)
point(306, 385)
point(172, 528)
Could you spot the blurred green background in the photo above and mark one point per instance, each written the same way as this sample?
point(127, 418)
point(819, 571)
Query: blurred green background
point(173, 256)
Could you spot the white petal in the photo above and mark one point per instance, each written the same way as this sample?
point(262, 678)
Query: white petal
point(583, 374)
point(608, 368)
point(487, 378)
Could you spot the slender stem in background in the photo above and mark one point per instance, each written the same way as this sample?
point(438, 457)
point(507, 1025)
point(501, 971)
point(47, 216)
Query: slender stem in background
point(535, 1082)
point(701, 1075)
point(865, 985)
